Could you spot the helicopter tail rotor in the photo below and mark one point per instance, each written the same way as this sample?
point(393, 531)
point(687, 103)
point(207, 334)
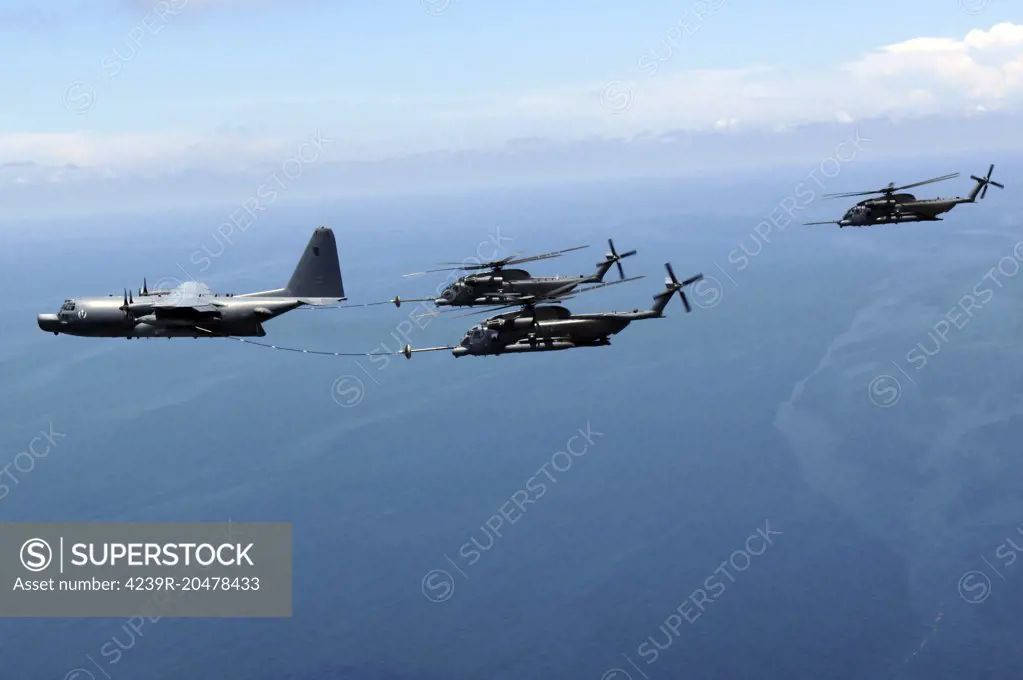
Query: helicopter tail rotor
point(614, 257)
point(980, 191)
point(673, 285)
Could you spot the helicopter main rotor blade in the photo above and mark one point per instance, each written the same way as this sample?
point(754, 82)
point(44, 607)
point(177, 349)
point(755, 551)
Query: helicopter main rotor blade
point(564, 296)
point(928, 181)
point(498, 264)
point(891, 188)
point(851, 194)
point(545, 256)
point(486, 265)
point(557, 295)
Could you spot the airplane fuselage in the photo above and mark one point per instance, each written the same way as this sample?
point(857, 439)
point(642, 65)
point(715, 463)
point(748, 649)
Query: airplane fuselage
point(103, 317)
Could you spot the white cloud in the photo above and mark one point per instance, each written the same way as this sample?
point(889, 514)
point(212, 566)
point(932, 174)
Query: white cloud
point(976, 75)
point(34, 154)
point(921, 76)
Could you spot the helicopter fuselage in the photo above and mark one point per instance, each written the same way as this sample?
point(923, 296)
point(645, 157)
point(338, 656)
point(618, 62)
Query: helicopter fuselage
point(546, 329)
point(498, 286)
point(898, 208)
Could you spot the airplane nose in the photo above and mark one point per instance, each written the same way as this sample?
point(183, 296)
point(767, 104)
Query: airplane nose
point(49, 323)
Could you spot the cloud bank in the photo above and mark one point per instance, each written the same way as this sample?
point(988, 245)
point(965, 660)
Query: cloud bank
point(955, 78)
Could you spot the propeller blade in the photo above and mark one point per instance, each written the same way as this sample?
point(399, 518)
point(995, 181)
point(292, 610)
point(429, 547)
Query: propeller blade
point(694, 279)
point(621, 271)
point(685, 300)
point(145, 286)
point(671, 274)
point(983, 192)
point(130, 300)
point(629, 253)
point(611, 245)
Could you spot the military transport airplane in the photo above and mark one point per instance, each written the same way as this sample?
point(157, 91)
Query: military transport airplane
point(192, 310)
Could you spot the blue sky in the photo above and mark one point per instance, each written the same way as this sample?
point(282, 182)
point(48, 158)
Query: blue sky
point(234, 82)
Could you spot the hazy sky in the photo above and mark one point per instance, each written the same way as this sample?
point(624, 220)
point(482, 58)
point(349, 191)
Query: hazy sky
point(139, 87)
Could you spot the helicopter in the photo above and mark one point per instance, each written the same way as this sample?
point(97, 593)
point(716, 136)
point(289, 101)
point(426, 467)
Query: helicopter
point(496, 284)
point(553, 327)
point(895, 208)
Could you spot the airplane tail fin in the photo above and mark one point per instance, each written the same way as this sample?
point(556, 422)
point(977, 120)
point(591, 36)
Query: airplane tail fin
point(318, 274)
point(980, 191)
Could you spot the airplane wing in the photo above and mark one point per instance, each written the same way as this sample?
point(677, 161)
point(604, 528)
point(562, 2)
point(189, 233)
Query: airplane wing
point(189, 295)
point(807, 224)
point(321, 302)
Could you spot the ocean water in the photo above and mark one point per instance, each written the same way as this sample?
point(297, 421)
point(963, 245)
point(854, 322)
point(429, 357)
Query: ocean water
point(788, 405)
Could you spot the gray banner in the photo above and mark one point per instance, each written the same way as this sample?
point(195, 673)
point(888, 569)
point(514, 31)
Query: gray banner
point(153, 570)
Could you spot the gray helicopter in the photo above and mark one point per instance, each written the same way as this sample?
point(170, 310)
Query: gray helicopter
point(896, 208)
point(550, 328)
point(192, 310)
point(500, 285)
